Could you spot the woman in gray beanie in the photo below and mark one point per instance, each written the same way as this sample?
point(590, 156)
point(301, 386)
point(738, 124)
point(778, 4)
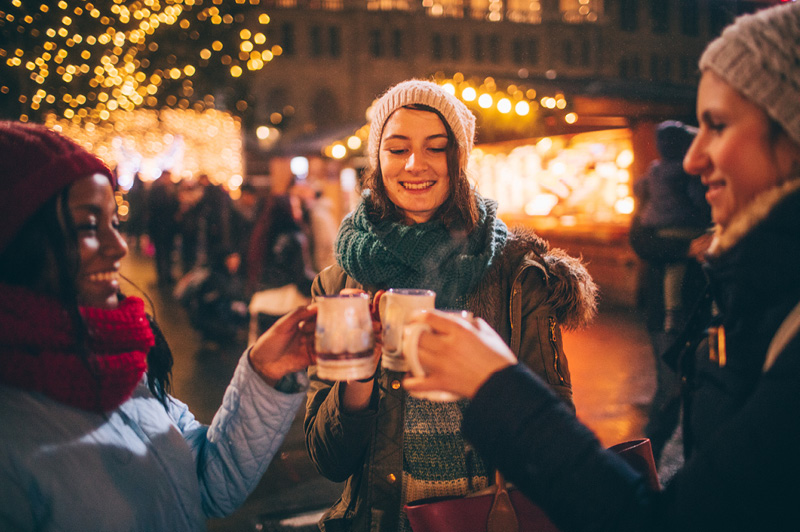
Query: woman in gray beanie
point(741, 369)
point(421, 225)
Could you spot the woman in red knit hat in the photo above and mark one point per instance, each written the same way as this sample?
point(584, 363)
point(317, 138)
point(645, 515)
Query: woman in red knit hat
point(90, 438)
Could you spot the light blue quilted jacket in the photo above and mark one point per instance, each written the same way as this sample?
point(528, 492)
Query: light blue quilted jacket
point(138, 468)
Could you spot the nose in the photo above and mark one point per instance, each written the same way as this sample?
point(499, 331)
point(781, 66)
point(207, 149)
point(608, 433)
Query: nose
point(696, 159)
point(415, 162)
point(114, 245)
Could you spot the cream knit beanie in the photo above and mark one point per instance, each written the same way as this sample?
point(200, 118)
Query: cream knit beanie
point(759, 56)
point(459, 118)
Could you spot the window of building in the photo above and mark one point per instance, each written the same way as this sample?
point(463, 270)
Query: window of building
point(568, 52)
point(436, 47)
point(660, 68)
point(388, 5)
point(719, 16)
point(517, 52)
point(586, 52)
point(629, 15)
point(397, 43)
point(659, 15)
point(630, 67)
point(491, 10)
point(327, 5)
point(687, 67)
point(533, 50)
point(478, 48)
point(335, 41)
point(444, 8)
point(689, 13)
point(525, 51)
point(287, 38)
point(455, 47)
point(578, 11)
point(375, 43)
point(494, 48)
point(315, 41)
point(529, 11)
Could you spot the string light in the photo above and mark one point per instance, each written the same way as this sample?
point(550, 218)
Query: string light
point(516, 108)
point(84, 60)
point(149, 141)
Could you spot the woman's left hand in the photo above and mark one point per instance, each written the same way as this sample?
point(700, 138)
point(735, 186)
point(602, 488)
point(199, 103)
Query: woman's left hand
point(287, 346)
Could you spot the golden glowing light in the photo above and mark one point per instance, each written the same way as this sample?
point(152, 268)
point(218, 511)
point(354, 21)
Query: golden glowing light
point(75, 47)
point(338, 151)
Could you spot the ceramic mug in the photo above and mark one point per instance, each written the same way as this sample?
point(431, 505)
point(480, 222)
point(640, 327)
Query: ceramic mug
point(396, 306)
point(411, 336)
point(343, 337)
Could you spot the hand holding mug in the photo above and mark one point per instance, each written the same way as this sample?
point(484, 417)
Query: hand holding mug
point(286, 347)
point(455, 354)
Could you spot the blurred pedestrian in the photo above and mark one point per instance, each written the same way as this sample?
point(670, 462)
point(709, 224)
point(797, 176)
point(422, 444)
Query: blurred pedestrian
point(421, 225)
point(279, 262)
point(90, 438)
point(742, 367)
point(136, 223)
point(218, 309)
point(322, 224)
point(162, 225)
point(672, 213)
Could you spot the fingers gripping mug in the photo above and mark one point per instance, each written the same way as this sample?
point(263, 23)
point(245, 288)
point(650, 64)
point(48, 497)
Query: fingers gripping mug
point(396, 305)
point(343, 338)
point(411, 336)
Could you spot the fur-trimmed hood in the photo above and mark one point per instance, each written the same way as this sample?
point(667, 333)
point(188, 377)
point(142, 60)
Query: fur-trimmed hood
point(750, 217)
point(752, 263)
point(571, 292)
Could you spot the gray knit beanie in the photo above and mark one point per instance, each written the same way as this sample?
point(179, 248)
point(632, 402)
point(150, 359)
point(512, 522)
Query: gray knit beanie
point(459, 118)
point(759, 56)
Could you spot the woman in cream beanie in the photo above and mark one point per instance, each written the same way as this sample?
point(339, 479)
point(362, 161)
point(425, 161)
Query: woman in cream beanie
point(740, 368)
point(421, 225)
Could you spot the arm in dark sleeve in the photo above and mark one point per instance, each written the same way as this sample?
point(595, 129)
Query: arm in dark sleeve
point(743, 478)
point(519, 426)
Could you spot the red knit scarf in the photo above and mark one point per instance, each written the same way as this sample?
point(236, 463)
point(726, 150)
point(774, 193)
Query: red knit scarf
point(38, 349)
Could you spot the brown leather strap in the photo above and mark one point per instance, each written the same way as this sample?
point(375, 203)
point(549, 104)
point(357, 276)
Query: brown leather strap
point(502, 516)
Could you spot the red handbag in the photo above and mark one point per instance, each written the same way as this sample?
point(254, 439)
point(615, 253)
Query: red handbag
point(499, 508)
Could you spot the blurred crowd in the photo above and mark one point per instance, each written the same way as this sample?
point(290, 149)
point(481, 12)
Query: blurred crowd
point(236, 265)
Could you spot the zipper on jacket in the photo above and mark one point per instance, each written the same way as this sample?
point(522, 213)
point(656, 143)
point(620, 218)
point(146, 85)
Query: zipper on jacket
point(554, 344)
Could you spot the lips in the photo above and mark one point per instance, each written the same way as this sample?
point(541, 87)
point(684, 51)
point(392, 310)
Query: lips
point(422, 185)
point(714, 189)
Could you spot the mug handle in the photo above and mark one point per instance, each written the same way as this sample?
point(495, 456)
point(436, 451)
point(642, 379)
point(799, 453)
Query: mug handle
point(411, 334)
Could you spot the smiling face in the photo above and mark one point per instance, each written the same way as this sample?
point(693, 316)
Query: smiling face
point(100, 245)
point(737, 152)
point(413, 163)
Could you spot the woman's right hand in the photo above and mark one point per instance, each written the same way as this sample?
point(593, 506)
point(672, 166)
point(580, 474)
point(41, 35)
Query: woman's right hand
point(458, 356)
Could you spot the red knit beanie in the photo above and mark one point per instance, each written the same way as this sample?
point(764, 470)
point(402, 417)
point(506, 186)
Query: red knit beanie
point(36, 163)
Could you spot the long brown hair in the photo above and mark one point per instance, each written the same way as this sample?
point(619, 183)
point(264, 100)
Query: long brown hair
point(458, 211)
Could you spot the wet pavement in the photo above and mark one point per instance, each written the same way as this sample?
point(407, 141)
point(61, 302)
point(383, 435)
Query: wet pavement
point(610, 362)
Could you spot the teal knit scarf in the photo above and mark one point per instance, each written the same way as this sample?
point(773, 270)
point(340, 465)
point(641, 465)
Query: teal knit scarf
point(427, 255)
